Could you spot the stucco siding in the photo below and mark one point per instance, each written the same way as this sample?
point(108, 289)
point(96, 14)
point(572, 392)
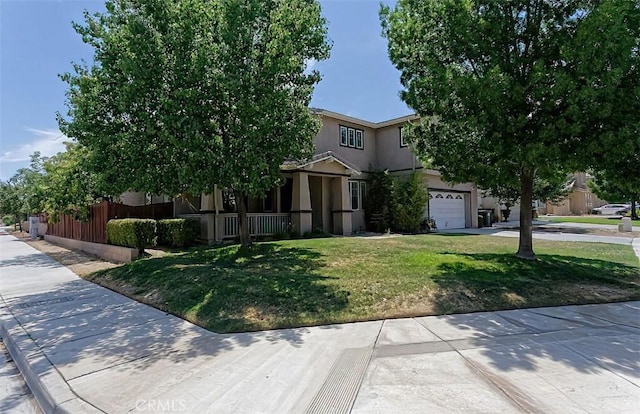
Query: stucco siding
point(328, 139)
point(389, 154)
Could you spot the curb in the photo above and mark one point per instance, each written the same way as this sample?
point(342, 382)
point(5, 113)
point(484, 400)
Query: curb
point(50, 390)
point(635, 244)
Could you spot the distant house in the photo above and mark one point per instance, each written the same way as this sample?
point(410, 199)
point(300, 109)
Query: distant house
point(580, 200)
point(328, 190)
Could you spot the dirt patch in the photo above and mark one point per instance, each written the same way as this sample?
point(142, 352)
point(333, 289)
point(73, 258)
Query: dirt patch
point(78, 262)
point(594, 293)
point(582, 230)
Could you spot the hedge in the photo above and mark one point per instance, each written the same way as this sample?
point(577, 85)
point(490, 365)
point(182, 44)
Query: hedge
point(8, 220)
point(177, 232)
point(132, 232)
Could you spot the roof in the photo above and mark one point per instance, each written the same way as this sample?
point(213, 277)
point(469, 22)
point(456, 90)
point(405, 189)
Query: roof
point(324, 156)
point(373, 125)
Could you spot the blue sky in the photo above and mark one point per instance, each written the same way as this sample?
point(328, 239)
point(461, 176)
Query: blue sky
point(37, 43)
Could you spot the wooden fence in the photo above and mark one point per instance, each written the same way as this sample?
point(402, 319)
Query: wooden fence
point(95, 229)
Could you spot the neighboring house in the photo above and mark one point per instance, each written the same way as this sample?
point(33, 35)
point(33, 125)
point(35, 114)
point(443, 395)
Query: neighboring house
point(580, 200)
point(328, 190)
point(488, 202)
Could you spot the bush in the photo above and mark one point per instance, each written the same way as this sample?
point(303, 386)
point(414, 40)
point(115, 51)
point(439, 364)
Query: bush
point(132, 232)
point(379, 204)
point(177, 232)
point(8, 220)
point(395, 204)
point(411, 200)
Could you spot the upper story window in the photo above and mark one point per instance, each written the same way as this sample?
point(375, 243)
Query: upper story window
point(403, 142)
point(351, 137)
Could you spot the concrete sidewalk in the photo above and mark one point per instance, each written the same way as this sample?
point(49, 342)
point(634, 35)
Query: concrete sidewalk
point(83, 348)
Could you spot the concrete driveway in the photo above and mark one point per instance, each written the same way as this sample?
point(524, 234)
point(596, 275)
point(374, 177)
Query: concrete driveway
point(83, 348)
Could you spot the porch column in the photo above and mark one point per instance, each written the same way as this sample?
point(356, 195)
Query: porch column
point(208, 210)
point(301, 203)
point(474, 206)
point(206, 202)
point(341, 206)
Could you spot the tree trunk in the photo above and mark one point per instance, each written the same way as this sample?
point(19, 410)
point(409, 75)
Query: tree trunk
point(525, 245)
point(634, 213)
point(243, 224)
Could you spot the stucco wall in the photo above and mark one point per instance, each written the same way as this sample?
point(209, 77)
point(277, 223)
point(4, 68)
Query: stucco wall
point(131, 198)
point(389, 154)
point(328, 139)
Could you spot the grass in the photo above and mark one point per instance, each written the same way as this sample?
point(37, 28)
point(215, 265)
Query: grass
point(319, 281)
point(590, 220)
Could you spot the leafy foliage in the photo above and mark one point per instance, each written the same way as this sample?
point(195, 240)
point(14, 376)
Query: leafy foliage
point(70, 187)
point(24, 194)
point(411, 199)
point(379, 205)
point(177, 232)
point(617, 186)
point(8, 220)
point(507, 91)
point(184, 95)
point(395, 204)
point(132, 232)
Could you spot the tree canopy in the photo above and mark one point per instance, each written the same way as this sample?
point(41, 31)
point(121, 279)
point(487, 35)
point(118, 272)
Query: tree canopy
point(183, 95)
point(507, 90)
point(53, 185)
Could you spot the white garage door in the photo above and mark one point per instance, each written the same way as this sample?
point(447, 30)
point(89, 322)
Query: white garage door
point(447, 209)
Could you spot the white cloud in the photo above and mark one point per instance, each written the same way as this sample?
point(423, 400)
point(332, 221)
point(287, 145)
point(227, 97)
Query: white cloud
point(48, 141)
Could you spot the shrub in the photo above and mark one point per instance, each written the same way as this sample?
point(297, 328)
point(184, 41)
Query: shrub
point(8, 220)
point(395, 204)
point(411, 200)
point(379, 204)
point(177, 232)
point(132, 232)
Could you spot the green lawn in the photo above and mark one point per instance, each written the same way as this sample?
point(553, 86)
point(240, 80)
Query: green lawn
point(590, 220)
point(317, 281)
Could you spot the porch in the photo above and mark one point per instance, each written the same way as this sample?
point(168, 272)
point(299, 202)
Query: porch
point(315, 194)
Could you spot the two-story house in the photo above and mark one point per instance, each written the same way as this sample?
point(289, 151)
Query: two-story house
point(328, 190)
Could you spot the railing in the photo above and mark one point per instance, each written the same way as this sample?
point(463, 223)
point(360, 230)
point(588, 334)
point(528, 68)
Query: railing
point(260, 224)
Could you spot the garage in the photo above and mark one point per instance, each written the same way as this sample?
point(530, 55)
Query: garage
point(447, 209)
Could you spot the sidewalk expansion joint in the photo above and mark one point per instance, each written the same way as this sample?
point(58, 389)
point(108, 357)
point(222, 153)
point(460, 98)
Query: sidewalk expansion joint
point(339, 390)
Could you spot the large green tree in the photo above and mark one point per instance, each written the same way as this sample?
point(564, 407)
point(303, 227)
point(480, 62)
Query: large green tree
point(183, 95)
point(617, 186)
point(503, 87)
point(24, 193)
point(69, 187)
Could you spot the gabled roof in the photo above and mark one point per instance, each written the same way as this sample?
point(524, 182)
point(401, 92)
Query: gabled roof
point(374, 125)
point(328, 156)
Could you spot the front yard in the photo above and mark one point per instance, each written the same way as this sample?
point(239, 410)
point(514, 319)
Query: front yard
point(320, 281)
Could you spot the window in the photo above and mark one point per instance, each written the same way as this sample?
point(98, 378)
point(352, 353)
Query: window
point(403, 143)
point(268, 202)
point(343, 136)
point(357, 193)
point(351, 137)
point(353, 193)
